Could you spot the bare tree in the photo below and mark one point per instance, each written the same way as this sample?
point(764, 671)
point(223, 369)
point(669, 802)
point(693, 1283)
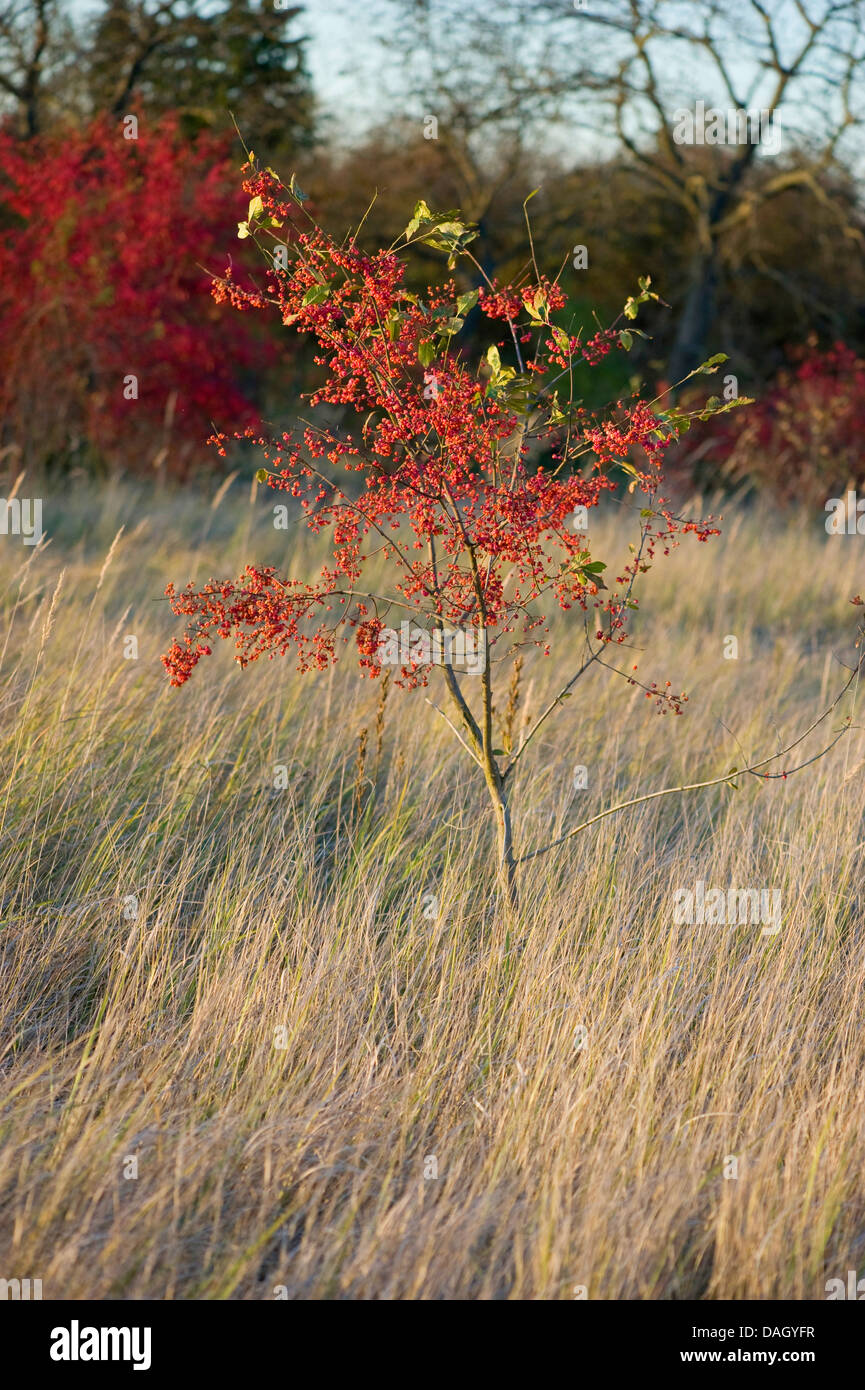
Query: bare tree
point(786, 69)
point(35, 45)
point(204, 59)
point(623, 75)
point(473, 86)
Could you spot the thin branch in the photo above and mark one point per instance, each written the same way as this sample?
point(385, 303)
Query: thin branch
point(453, 727)
point(727, 777)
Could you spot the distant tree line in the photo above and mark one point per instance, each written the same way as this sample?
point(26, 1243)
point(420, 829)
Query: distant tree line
point(616, 117)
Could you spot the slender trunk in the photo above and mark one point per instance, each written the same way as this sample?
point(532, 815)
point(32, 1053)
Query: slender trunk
point(507, 865)
point(480, 743)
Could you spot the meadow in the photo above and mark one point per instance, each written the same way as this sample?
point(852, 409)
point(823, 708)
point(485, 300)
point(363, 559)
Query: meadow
point(264, 1032)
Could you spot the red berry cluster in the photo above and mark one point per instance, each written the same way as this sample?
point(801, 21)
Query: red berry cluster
point(448, 486)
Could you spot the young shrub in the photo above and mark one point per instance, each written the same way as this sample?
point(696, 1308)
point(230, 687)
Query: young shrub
point(441, 479)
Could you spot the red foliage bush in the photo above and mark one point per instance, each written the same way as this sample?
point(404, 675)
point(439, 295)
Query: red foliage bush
point(103, 245)
point(803, 439)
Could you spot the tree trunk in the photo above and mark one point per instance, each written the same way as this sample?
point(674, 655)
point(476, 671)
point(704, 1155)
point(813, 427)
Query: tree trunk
point(508, 894)
point(689, 346)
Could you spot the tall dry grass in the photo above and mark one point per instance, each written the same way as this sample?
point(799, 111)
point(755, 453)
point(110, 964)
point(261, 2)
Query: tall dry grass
point(289, 1004)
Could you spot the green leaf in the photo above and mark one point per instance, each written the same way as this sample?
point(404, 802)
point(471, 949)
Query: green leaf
point(316, 294)
point(522, 401)
point(631, 308)
point(626, 339)
point(295, 190)
point(450, 229)
point(421, 214)
point(710, 366)
point(426, 353)
point(242, 231)
point(256, 208)
point(451, 237)
point(261, 475)
point(494, 360)
point(556, 414)
point(467, 301)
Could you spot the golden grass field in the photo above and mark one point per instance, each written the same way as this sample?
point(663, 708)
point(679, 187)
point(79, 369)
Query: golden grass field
point(415, 1029)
